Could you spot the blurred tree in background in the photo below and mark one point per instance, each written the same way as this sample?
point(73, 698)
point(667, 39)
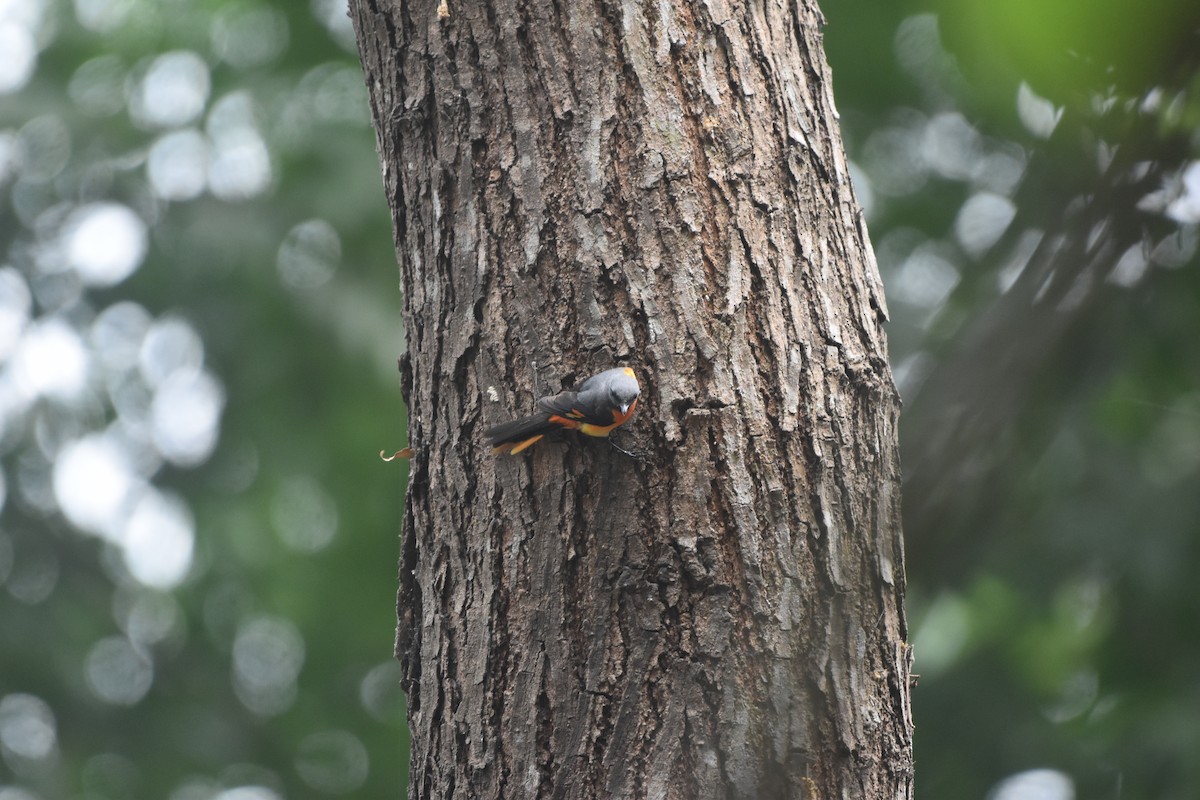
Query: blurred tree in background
point(198, 333)
point(1034, 197)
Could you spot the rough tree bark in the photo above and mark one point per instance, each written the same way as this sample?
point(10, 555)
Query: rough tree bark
point(657, 184)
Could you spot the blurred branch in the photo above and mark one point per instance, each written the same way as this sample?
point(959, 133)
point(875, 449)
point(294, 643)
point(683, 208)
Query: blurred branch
point(1092, 202)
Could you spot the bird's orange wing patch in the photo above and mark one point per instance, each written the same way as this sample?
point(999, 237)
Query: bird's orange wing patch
point(566, 422)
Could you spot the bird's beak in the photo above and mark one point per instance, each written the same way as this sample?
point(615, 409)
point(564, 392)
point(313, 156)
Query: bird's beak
point(624, 408)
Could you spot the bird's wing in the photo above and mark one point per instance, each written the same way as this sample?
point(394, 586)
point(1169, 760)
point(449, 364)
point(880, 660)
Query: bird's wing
point(563, 403)
point(580, 406)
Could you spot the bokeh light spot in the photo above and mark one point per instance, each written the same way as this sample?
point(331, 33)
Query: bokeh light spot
point(98, 86)
point(116, 335)
point(924, 280)
point(982, 220)
point(178, 165)
point(917, 44)
point(196, 787)
point(1001, 171)
point(147, 616)
point(952, 147)
point(381, 694)
point(942, 634)
point(17, 793)
point(248, 793)
point(185, 417)
point(105, 243)
point(93, 484)
point(20, 57)
point(268, 653)
point(1186, 207)
point(9, 145)
point(1176, 249)
point(304, 515)
point(117, 672)
point(1172, 451)
point(248, 35)
point(27, 727)
point(1130, 267)
point(158, 541)
point(335, 16)
point(171, 346)
point(43, 148)
point(892, 160)
point(241, 164)
point(309, 254)
point(333, 762)
point(1037, 114)
point(51, 361)
point(16, 302)
point(335, 93)
point(1035, 784)
point(173, 91)
point(34, 574)
point(103, 16)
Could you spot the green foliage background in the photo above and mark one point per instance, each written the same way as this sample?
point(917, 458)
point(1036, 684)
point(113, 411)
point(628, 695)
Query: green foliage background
point(1025, 173)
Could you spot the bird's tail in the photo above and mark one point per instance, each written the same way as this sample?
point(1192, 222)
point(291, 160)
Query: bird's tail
point(513, 437)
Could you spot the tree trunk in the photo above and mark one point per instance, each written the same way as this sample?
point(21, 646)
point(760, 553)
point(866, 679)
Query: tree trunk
point(582, 185)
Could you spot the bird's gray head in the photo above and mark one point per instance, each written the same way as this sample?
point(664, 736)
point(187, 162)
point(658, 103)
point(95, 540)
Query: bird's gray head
point(623, 389)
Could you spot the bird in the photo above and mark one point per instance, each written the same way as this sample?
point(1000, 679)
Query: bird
point(594, 407)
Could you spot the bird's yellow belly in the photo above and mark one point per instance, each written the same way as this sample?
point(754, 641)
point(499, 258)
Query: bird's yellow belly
point(597, 430)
